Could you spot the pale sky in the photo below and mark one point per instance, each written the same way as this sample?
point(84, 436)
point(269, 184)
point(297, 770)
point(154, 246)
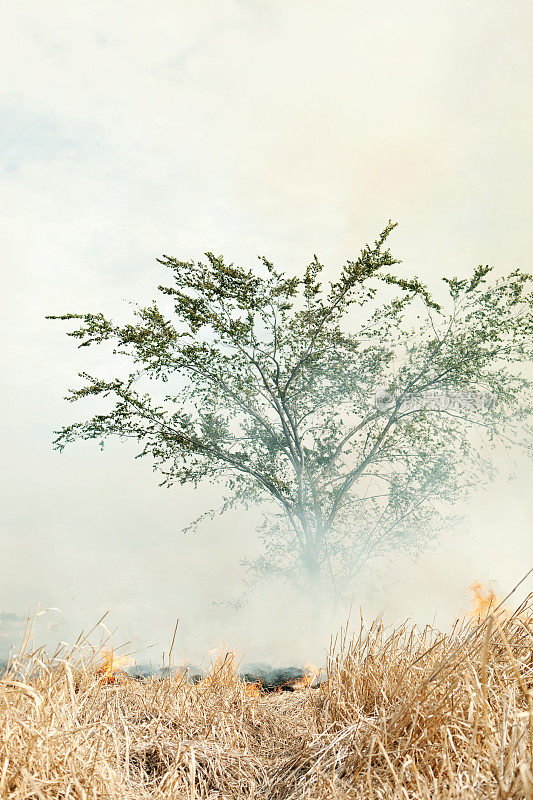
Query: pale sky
point(246, 127)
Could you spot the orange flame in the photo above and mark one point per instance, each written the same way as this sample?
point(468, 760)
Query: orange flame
point(253, 690)
point(111, 670)
point(311, 674)
point(483, 600)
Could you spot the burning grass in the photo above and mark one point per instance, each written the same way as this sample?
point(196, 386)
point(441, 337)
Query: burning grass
point(400, 714)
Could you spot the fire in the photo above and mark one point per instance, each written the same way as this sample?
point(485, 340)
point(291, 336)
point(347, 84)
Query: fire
point(112, 667)
point(311, 674)
point(253, 690)
point(483, 600)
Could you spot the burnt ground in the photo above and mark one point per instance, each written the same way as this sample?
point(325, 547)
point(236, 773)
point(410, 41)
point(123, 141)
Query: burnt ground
point(272, 679)
point(267, 678)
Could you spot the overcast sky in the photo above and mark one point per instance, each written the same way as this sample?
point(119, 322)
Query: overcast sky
point(246, 127)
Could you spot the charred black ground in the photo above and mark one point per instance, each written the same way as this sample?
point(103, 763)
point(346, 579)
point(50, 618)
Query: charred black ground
point(266, 677)
point(273, 679)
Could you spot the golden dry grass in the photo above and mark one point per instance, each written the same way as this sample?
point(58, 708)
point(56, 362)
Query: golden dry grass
point(403, 714)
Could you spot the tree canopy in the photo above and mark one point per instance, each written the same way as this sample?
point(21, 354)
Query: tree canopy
point(359, 410)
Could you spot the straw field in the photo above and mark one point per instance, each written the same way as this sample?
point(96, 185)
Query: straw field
point(399, 714)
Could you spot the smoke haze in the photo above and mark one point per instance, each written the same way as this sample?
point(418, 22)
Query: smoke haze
point(244, 128)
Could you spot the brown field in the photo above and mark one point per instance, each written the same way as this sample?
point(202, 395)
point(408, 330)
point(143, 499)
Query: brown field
point(400, 714)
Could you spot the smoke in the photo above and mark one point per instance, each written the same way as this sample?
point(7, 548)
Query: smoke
point(202, 576)
point(242, 128)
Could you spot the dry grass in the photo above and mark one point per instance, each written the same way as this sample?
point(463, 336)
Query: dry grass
point(403, 714)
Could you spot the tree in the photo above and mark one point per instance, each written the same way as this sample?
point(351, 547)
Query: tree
point(361, 411)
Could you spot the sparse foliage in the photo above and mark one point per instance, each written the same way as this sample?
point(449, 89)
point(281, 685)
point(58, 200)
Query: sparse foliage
point(361, 409)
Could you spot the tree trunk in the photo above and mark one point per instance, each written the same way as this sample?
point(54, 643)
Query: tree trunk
point(319, 584)
point(314, 584)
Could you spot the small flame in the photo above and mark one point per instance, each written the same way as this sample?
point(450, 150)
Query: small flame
point(483, 600)
point(311, 674)
point(222, 657)
point(112, 667)
point(253, 690)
